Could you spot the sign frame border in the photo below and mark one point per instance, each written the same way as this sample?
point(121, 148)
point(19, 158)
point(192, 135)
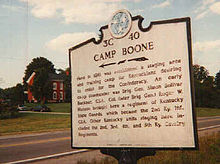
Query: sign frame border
point(140, 19)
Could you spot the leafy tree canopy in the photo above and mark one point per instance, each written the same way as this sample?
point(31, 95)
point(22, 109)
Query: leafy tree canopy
point(2, 93)
point(209, 81)
point(15, 94)
point(37, 63)
point(217, 80)
point(41, 88)
point(200, 73)
point(41, 85)
point(206, 94)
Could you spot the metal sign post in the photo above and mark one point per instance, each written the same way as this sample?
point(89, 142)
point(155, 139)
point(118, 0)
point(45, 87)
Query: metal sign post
point(128, 156)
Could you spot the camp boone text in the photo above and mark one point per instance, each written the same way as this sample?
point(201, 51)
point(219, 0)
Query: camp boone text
point(125, 51)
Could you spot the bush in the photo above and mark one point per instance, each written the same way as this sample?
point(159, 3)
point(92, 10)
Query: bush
point(7, 111)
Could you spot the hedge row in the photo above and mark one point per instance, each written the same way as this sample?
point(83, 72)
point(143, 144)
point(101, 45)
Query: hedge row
point(7, 111)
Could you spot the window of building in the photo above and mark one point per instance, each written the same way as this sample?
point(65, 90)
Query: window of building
point(54, 85)
point(54, 95)
point(61, 95)
point(61, 86)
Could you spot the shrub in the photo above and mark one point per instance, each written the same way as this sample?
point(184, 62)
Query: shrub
point(7, 111)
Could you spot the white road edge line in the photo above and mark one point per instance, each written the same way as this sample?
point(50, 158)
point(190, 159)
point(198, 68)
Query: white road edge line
point(78, 151)
point(49, 156)
point(209, 127)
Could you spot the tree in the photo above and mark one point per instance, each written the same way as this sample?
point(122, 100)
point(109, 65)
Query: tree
point(39, 62)
point(15, 94)
point(2, 95)
point(217, 87)
point(217, 80)
point(41, 87)
point(19, 94)
point(209, 82)
point(206, 94)
point(200, 73)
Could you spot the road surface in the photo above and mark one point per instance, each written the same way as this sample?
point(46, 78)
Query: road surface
point(23, 147)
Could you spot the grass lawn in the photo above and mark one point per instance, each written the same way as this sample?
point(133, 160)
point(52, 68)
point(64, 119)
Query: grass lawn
point(207, 112)
point(28, 123)
point(55, 107)
point(60, 107)
point(208, 153)
point(65, 108)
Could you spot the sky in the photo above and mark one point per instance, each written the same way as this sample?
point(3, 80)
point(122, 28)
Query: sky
point(48, 28)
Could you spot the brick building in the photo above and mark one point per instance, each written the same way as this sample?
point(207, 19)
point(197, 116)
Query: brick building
point(57, 82)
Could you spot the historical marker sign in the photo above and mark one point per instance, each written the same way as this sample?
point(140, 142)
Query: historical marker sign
point(133, 88)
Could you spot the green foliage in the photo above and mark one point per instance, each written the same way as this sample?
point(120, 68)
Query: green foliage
point(14, 94)
point(200, 73)
point(37, 63)
point(2, 94)
point(7, 111)
point(206, 92)
point(217, 80)
point(41, 88)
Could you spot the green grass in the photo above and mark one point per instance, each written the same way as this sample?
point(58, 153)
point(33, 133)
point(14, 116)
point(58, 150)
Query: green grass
point(29, 123)
point(65, 108)
point(207, 112)
point(60, 107)
point(55, 107)
point(37, 122)
point(209, 153)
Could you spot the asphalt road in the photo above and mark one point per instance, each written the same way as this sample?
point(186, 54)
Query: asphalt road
point(204, 122)
point(21, 147)
point(31, 146)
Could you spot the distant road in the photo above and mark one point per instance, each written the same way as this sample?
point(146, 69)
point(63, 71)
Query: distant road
point(205, 122)
point(22, 147)
point(44, 112)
